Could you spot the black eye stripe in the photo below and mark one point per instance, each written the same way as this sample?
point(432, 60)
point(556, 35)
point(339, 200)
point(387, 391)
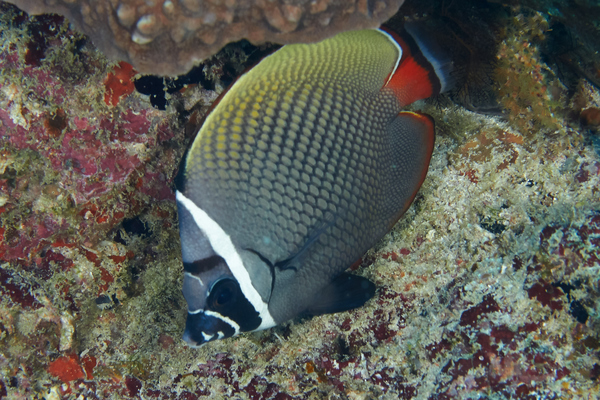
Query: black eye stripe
point(237, 307)
point(199, 266)
point(223, 292)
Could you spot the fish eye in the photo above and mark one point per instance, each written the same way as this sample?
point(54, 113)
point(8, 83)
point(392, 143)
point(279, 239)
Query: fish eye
point(223, 293)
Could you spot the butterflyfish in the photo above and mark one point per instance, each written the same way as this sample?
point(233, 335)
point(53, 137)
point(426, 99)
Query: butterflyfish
point(302, 166)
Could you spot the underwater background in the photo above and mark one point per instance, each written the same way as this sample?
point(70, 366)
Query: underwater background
point(488, 287)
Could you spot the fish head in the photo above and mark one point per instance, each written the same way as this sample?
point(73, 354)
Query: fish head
point(212, 294)
point(221, 303)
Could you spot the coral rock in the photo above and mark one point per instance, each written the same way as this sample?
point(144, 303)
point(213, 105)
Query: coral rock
point(170, 36)
point(591, 117)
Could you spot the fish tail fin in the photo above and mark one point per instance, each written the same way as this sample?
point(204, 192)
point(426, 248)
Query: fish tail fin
point(462, 56)
point(433, 51)
point(424, 69)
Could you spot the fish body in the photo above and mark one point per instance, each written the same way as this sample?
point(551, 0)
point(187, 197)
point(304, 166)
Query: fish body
point(302, 166)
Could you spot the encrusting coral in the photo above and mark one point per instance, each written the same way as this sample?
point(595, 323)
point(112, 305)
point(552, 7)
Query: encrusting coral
point(523, 79)
point(169, 37)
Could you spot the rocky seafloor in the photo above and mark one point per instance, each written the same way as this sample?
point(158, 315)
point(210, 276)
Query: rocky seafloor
point(489, 286)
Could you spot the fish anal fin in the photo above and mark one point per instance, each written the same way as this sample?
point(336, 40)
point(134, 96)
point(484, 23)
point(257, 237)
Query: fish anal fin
point(346, 292)
point(412, 137)
point(417, 126)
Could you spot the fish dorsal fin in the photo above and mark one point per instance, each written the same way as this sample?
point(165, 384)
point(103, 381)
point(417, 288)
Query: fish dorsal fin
point(344, 293)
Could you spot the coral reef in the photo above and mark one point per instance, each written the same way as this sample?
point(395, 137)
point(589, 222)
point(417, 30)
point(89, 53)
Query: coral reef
point(488, 287)
point(68, 153)
point(524, 80)
point(169, 37)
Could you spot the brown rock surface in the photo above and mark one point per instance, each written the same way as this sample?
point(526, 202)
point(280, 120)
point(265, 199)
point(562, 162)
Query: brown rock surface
point(168, 37)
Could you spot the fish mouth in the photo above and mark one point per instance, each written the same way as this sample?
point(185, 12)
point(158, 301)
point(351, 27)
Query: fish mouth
point(205, 326)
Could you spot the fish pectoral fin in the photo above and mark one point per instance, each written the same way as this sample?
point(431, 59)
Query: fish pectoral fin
point(297, 260)
point(346, 292)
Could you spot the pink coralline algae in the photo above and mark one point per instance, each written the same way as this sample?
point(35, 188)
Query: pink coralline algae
point(80, 156)
point(169, 37)
point(72, 168)
point(59, 153)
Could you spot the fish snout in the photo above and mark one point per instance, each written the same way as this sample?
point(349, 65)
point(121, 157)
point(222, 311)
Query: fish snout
point(204, 326)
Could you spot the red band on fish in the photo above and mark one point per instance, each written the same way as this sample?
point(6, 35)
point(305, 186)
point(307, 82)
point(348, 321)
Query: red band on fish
point(415, 77)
